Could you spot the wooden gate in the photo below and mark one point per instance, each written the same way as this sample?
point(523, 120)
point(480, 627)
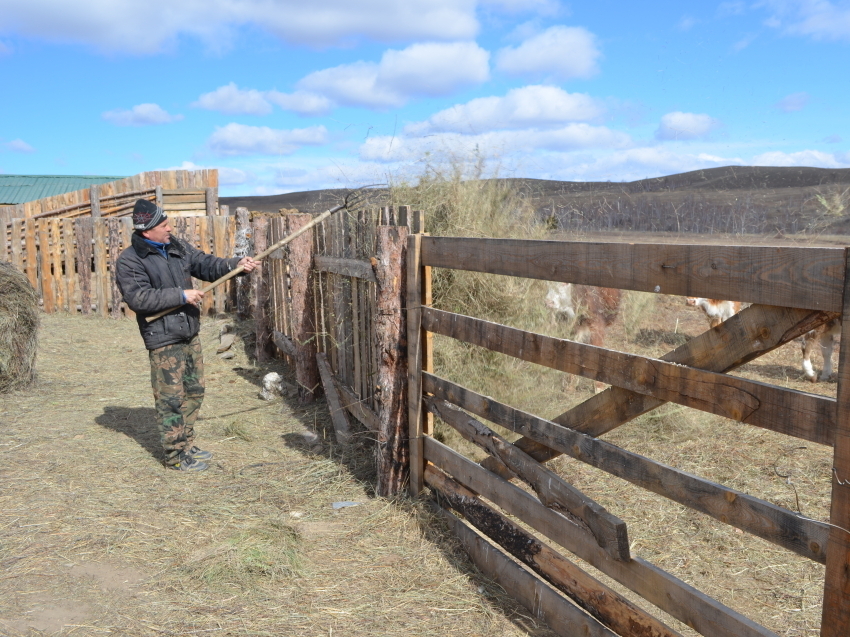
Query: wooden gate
point(792, 291)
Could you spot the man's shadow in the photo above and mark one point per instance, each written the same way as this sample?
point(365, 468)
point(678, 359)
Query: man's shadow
point(138, 423)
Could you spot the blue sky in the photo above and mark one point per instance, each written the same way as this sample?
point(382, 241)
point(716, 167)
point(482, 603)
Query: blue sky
point(287, 95)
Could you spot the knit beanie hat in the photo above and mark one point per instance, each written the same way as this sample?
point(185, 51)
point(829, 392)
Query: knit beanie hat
point(147, 215)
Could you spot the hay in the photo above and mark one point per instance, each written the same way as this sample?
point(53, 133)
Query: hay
point(19, 319)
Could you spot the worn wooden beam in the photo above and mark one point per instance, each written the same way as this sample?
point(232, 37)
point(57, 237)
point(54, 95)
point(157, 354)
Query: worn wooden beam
point(547, 606)
point(303, 319)
point(346, 267)
point(766, 520)
point(357, 408)
point(807, 416)
point(84, 230)
point(101, 276)
point(552, 490)
point(603, 603)
point(259, 280)
point(283, 343)
point(687, 604)
point(48, 282)
point(809, 278)
point(70, 268)
point(391, 337)
point(415, 354)
point(114, 252)
point(342, 428)
point(836, 595)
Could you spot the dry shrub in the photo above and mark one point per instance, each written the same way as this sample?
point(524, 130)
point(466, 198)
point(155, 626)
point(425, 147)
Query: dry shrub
point(637, 309)
point(19, 319)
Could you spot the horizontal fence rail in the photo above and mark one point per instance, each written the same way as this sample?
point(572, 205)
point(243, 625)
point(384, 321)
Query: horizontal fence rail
point(809, 278)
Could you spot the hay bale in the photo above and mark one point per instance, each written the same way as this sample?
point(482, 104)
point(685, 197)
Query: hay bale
point(19, 319)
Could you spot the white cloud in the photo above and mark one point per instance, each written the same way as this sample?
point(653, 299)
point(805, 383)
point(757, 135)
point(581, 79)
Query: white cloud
point(792, 103)
point(559, 52)
point(814, 158)
point(494, 143)
point(149, 27)
point(140, 115)
point(420, 69)
point(682, 126)
point(226, 176)
point(19, 146)
point(686, 23)
point(529, 106)
point(239, 139)
point(819, 19)
point(635, 163)
point(232, 100)
point(543, 7)
point(301, 102)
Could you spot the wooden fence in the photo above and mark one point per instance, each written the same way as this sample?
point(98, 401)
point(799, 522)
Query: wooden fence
point(336, 308)
point(71, 262)
point(179, 192)
point(792, 290)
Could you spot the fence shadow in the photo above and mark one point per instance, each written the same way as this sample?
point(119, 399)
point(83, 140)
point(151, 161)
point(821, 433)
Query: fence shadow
point(138, 423)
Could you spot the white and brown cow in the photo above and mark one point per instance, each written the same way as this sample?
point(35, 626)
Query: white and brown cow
point(593, 309)
point(827, 335)
point(716, 311)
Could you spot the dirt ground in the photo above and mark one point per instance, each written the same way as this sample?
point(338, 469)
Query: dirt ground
point(97, 538)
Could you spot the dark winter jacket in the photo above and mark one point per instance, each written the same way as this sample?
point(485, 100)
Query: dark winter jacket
point(151, 283)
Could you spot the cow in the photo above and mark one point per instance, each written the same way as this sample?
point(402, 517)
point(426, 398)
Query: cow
point(827, 336)
point(593, 309)
point(715, 310)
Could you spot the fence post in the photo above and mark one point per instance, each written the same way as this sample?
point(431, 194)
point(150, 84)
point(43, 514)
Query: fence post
point(242, 248)
point(84, 230)
point(303, 320)
point(262, 329)
point(414, 364)
point(391, 336)
point(836, 595)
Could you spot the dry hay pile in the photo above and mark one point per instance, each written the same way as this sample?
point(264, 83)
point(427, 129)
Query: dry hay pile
point(19, 318)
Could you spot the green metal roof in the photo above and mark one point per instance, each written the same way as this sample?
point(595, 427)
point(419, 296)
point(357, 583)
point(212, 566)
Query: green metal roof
point(23, 188)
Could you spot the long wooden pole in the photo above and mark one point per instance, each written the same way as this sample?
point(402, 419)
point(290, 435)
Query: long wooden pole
point(259, 257)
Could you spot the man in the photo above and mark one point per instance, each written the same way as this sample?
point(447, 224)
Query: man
point(154, 274)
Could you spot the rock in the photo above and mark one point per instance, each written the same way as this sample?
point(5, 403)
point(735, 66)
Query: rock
point(271, 386)
point(226, 342)
point(226, 355)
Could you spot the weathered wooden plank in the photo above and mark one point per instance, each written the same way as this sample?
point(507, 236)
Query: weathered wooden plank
point(562, 617)
point(416, 407)
point(809, 278)
point(749, 334)
point(690, 606)
point(259, 279)
point(766, 520)
point(358, 409)
point(836, 595)
point(170, 206)
point(346, 267)
point(31, 254)
point(342, 428)
point(605, 604)
point(391, 337)
point(94, 200)
point(202, 225)
point(16, 240)
point(5, 243)
point(803, 415)
point(101, 276)
point(125, 230)
point(70, 266)
point(303, 327)
point(84, 229)
point(552, 490)
point(211, 200)
point(60, 281)
point(48, 282)
point(114, 251)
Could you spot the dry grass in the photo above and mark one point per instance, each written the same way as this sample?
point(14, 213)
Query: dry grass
point(19, 317)
point(97, 538)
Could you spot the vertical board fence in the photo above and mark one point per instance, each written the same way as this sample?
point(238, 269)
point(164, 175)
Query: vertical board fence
point(71, 262)
point(793, 290)
point(335, 307)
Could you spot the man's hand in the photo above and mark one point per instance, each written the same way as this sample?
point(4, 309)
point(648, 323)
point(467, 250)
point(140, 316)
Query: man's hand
point(193, 297)
point(248, 264)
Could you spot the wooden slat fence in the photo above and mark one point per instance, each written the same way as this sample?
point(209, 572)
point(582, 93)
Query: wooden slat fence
point(180, 192)
point(71, 262)
point(792, 290)
point(340, 295)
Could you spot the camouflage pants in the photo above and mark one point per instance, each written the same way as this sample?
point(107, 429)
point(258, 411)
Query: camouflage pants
point(177, 378)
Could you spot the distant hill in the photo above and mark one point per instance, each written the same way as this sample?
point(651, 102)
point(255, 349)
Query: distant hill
point(732, 199)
